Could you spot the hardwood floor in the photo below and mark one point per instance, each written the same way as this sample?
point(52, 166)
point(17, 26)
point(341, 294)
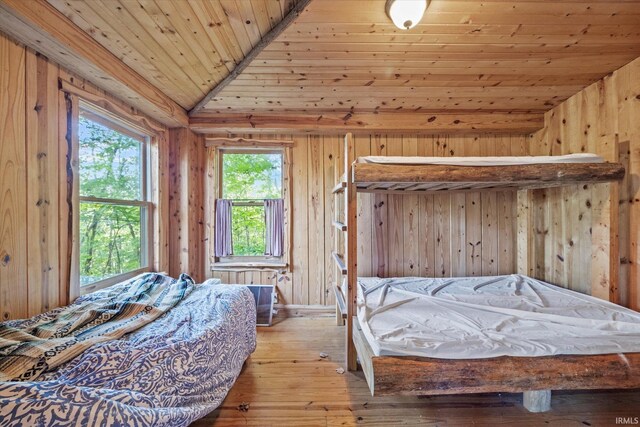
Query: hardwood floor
point(287, 383)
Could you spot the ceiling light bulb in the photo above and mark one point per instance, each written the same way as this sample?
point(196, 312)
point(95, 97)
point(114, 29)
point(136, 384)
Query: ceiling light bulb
point(406, 14)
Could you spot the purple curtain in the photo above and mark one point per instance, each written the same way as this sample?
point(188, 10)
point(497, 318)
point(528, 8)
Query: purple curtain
point(274, 221)
point(224, 242)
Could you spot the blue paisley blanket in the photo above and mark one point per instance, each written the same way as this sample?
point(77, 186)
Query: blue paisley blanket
point(169, 372)
point(32, 347)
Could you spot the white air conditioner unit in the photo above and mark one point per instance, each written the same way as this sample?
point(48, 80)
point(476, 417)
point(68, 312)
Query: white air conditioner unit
point(265, 297)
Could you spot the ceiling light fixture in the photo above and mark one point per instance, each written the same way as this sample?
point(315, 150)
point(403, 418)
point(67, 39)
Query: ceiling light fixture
point(406, 14)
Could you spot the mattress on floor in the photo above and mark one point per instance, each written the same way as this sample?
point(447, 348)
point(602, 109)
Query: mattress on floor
point(482, 161)
point(170, 372)
point(483, 317)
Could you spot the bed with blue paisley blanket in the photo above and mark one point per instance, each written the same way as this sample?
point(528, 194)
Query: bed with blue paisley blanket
point(169, 372)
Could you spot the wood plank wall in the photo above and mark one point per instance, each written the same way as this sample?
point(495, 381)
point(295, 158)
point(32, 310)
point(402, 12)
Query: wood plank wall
point(580, 240)
point(13, 176)
point(443, 235)
point(34, 232)
point(30, 159)
point(440, 235)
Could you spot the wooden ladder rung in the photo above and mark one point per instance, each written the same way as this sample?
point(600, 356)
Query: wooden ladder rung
point(340, 261)
point(340, 226)
point(342, 305)
point(339, 187)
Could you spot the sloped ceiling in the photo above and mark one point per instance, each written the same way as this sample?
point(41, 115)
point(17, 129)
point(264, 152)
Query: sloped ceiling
point(182, 47)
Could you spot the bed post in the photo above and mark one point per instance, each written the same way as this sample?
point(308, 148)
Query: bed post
point(351, 249)
point(537, 400)
point(525, 249)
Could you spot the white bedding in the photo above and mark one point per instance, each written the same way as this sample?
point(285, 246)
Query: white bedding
point(483, 161)
point(481, 317)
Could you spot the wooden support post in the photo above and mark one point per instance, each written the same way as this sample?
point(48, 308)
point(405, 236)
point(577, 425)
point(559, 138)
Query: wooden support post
point(351, 252)
point(525, 238)
point(537, 401)
point(605, 254)
point(634, 225)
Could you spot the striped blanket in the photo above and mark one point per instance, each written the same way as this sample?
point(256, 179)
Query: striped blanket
point(28, 350)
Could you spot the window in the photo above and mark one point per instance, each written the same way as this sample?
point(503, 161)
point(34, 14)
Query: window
point(251, 183)
point(115, 208)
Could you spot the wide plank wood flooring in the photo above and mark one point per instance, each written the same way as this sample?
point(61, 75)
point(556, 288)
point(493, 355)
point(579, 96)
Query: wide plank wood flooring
point(287, 383)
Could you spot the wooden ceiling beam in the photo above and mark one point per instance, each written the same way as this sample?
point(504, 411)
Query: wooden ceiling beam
point(336, 122)
point(43, 28)
point(255, 51)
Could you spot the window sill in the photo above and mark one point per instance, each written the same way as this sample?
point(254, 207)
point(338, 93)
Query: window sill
point(102, 284)
point(228, 265)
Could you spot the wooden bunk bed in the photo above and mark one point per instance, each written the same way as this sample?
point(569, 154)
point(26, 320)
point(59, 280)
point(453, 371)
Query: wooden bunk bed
point(406, 375)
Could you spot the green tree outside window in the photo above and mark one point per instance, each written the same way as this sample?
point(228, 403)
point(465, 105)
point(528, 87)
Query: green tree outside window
point(111, 235)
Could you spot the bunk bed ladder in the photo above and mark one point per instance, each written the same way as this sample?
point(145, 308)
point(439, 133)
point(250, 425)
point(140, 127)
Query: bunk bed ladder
point(338, 250)
point(345, 249)
point(339, 246)
point(337, 254)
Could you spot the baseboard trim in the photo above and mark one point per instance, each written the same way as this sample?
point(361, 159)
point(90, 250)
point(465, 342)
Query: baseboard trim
point(296, 310)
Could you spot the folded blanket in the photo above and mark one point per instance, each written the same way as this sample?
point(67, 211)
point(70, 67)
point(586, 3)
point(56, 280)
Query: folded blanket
point(33, 346)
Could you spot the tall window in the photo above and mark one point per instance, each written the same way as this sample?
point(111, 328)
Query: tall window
point(115, 207)
point(251, 199)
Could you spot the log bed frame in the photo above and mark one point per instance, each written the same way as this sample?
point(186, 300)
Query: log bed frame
point(535, 377)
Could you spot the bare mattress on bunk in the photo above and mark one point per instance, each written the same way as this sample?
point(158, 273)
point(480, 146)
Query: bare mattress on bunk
point(169, 372)
point(483, 317)
point(482, 161)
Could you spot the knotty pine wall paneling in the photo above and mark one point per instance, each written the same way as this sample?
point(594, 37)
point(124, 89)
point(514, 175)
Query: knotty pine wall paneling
point(187, 159)
point(42, 116)
point(581, 239)
point(30, 261)
point(34, 202)
point(13, 176)
point(416, 235)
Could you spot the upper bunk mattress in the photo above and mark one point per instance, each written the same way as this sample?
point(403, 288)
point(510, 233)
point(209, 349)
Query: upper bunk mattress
point(483, 161)
point(482, 317)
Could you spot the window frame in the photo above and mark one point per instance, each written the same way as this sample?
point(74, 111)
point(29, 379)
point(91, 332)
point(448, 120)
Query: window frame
point(245, 261)
point(235, 150)
point(146, 204)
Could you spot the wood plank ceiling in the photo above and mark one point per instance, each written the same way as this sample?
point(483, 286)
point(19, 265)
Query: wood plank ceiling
point(494, 55)
point(346, 57)
point(182, 47)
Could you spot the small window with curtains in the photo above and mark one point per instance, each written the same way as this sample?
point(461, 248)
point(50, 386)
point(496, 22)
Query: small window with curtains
point(249, 208)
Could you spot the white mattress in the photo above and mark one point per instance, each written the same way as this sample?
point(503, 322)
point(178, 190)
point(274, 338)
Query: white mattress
point(483, 161)
point(481, 317)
